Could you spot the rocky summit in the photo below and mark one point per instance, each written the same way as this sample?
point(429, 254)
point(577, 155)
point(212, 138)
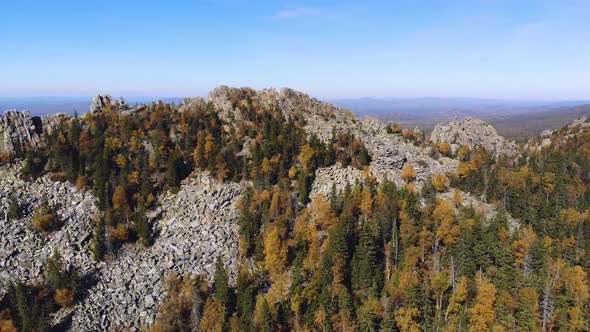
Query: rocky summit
point(472, 132)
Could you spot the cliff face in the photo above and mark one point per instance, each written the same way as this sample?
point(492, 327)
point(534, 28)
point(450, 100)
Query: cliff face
point(472, 132)
point(17, 129)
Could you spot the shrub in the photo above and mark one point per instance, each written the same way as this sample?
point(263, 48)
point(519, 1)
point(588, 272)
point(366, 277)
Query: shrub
point(64, 297)
point(58, 177)
point(15, 210)
point(34, 164)
point(444, 148)
point(45, 218)
point(120, 232)
point(6, 322)
point(81, 182)
point(440, 182)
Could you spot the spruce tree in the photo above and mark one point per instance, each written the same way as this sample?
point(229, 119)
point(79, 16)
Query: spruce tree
point(99, 241)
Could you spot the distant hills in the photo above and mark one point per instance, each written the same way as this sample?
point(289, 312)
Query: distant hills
point(516, 119)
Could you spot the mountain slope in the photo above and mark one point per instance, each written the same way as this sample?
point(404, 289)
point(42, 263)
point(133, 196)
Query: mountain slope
point(271, 210)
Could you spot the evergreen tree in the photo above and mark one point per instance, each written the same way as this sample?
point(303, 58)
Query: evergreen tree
point(221, 285)
point(99, 240)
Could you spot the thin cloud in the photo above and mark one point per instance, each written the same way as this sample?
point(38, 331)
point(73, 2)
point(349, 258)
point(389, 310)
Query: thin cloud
point(531, 28)
point(297, 12)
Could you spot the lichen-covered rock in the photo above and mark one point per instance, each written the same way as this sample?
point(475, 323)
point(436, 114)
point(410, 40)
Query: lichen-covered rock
point(472, 132)
point(19, 129)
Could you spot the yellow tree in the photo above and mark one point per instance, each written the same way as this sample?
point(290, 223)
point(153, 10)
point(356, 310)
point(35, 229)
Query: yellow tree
point(522, 245)
point(209, 145)
point(405, 319)
point(457, 199)
point(275, 252)
point(278, 292)
point(322, 213)
point(456, 301)
point(440, 182)
point(447, 231)
point(463, 153)
point(528, 309)
point(366, 202)
point(305, 156)
point(444, 148)
point(466, 168)
point(408, 172)
point(175, 312)
point(548, 183)
point(439, 282)
point(213, 314)
point(120, 201)
point(482, 314)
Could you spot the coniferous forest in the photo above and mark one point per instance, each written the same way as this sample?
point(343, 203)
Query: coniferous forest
point(371, 256)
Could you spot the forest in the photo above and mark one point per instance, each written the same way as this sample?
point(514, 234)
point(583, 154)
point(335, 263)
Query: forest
point(373, 256)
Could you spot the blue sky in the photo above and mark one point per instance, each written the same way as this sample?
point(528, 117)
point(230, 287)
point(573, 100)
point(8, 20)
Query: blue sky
point(515, 49)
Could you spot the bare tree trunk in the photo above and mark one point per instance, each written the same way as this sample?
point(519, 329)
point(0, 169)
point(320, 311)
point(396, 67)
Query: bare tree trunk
point(526, 266)
point(452, 273)
point(547, 307)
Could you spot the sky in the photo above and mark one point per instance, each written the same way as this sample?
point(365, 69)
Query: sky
point(505, 49)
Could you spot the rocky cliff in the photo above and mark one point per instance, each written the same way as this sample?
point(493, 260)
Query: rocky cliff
point(17, 129)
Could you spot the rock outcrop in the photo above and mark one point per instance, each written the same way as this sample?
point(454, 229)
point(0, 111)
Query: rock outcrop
point(18, 129)
point(485, 210)
point(336, 177)
point(100, 102)
point(472, 132)
point(199, 223)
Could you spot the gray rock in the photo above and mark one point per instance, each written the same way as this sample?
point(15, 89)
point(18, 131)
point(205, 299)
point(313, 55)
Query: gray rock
point(472, 132)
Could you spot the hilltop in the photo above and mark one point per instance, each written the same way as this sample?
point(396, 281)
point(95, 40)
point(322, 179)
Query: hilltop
point(270, 209)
